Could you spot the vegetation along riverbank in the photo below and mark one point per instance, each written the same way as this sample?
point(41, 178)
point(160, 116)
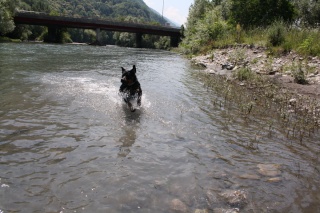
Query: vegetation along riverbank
point(261, 57)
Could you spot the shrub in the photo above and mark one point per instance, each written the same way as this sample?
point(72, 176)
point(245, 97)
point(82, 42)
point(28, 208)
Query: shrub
point(299, 75)
point(276, 34)
point(305, 46)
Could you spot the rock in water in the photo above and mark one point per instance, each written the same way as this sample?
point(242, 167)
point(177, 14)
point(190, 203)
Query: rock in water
point(270, 170)
point(178, 206)
point(235, 198)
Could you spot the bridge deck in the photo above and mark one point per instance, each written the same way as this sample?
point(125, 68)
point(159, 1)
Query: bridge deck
point(87, 23)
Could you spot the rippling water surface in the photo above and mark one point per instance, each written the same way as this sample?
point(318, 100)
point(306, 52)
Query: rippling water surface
point(69, 144)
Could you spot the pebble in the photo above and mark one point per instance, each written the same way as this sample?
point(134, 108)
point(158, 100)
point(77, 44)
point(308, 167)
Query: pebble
point(4, 186)
point(178, 206)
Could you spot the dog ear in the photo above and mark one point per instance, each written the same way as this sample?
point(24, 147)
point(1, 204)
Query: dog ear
point(134, 69)
point(123, 70)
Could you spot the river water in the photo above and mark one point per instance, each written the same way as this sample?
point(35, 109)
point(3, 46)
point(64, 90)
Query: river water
point(69, 144)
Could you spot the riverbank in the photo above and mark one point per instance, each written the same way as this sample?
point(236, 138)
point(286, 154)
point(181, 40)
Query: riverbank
point(261, 85)
point(6, 39)
point(281, 69)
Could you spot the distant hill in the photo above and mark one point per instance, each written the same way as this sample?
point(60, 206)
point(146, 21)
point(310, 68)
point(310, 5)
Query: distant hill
point(115, 9)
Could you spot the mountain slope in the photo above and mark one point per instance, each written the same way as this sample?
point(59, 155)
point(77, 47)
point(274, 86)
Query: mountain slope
point(115, 9)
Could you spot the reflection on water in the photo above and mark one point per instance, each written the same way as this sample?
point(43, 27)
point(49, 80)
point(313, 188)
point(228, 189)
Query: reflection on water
point(131, 124)
point(69, 144)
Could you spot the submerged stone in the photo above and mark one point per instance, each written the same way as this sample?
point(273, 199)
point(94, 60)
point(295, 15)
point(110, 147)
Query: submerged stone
point(201, 211)
point(271, 170)
point(235, 198)
point(250, 176)
point(274, 180)
point(219, 210)
point(178, 206)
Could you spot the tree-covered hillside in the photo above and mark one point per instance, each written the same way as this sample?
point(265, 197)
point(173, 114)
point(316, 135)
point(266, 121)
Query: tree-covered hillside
point(124, 10)
point(116, 9)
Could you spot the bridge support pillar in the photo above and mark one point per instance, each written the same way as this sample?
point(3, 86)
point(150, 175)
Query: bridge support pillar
point(98, 37)
point(52, 34)
point(55, 34)
point(174, 41)
point(138, 40)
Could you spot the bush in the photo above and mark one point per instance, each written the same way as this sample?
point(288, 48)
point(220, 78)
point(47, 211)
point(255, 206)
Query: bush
point(276, 34)
point(298, 75)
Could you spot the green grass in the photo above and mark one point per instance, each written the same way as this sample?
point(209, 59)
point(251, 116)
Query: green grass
point(278, 37)
point(6, 39)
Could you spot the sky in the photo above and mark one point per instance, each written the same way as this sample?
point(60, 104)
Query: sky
point(175, 10)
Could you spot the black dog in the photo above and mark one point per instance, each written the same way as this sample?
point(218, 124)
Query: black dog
point(130, 88)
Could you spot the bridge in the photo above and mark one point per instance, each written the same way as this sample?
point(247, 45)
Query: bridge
point(54, 23)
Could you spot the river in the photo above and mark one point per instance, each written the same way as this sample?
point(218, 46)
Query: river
point(68, 143)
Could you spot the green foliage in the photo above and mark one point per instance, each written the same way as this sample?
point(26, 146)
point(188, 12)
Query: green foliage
point(221, 23)
point(6, 39)
point(244, 74)
point(124, 39)
point(113, 9)
point(261, 13)
point(308, 12)
point(163, 43)
point(197, 12)
point(304, 41)
point(276, 34)
point(89, 36)
point(205, 31)
point(306, 45)
point(7, 8)
point(298, 74)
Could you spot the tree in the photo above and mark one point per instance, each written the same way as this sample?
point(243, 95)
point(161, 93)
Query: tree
point(7, 8)
point(250, 13)
point(308, 12)
point(197, 11)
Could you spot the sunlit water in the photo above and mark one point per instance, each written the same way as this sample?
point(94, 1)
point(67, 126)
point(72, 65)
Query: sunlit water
point(68, 143)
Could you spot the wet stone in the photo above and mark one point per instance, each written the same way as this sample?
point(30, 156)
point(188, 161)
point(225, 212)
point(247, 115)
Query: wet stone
point(219, 210)
point(271, 170)
point(250, 176)
point(211, 197)
point(178, 206)
point(201, 211)
point(274, 180)
point(235, 198)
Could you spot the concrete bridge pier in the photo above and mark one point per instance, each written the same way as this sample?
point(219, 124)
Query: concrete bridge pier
point(98, 37)
point(52, 34)
point(138, 40)
point(174, 41)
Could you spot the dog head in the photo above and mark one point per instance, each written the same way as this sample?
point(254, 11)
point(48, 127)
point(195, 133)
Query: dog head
point(129, 77)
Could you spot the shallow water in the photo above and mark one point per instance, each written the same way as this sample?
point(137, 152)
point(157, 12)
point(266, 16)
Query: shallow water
point(69, 144)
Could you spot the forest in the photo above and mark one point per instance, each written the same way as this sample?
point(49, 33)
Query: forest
point(280, 25)
point(122, 10)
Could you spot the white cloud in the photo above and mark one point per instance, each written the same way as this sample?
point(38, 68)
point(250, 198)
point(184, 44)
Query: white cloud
point(175, 15)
